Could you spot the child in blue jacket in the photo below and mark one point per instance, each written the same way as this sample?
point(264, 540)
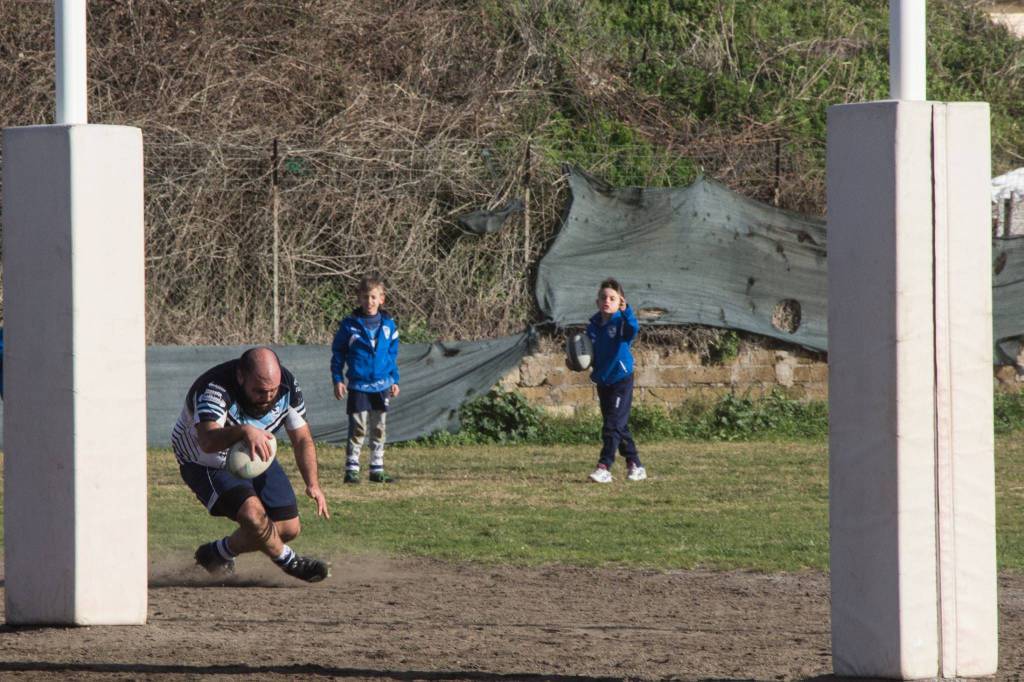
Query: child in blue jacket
point(611, 331)
point(366, 342)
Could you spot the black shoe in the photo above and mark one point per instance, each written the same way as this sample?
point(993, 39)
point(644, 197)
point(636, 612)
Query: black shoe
point(306, 568)
point(209, 558)
point(353, 476)
point(381, 477)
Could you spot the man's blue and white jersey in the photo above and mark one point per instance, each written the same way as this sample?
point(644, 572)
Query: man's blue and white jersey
point(214, 398)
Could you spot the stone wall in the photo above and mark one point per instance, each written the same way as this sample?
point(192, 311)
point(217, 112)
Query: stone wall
point(1008, 380)
point(673, 378)
point(1010, 15)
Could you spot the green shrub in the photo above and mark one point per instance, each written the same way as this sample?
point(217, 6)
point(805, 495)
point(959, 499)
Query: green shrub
point(1009, 412)
point(500, 417)
point(740, 418)
point(732, 418)
point(724, 348)
point(581, 429)
point(654, 422)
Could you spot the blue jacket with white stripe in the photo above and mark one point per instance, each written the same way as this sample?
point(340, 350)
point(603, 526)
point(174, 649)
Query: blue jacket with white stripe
point(612, 361)
point(372, 367)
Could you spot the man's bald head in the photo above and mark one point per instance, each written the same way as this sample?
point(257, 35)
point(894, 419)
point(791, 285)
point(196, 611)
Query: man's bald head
point(259, 375)
point(261, 361)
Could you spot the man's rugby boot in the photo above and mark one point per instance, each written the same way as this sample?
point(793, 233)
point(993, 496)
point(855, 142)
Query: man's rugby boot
point(209, 558)
point(306, 568)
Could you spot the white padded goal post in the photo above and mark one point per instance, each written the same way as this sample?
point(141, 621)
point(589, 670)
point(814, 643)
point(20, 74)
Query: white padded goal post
point(912, 501)
point(75, 382)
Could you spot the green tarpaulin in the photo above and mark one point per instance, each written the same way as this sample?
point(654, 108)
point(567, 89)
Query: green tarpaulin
point(692, 255)
point(705, 255)
point(1008, 297)
point(436, 379)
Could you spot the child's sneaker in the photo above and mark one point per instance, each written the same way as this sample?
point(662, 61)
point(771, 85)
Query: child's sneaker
point(636, 473)
point(601, 475)
point(381, 477)
point(351, 476)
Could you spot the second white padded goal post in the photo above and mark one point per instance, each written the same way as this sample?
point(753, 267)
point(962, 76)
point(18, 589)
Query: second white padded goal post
point(912, 503)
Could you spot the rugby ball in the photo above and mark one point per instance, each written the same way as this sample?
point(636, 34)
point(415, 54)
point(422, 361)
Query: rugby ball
point(579, 351)
point(239, 464)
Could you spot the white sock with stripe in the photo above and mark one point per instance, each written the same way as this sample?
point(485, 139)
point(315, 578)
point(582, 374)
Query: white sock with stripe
point(285, 556)
point(224, 549)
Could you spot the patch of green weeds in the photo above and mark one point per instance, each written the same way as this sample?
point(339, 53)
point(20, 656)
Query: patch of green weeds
point(724, 348)
point(1008, 412)
point(501, 417)
point(507, 417)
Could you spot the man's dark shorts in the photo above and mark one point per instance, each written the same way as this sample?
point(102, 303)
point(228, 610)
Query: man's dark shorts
point(362, 401)
point(223, 494)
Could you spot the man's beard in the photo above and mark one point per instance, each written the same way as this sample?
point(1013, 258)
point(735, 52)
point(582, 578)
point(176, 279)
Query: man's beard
point(254, 410)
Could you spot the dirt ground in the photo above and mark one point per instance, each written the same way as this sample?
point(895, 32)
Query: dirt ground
point(413, 619)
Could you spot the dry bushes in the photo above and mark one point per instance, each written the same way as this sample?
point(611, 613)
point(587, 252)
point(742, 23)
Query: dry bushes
point(391, 121)
point(393, 118)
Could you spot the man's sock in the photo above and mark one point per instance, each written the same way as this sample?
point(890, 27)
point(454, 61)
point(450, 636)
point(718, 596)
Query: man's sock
point(224, 549)
point(285, 556)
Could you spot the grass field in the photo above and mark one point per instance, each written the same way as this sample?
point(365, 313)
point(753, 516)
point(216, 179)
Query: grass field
point(754, 505)
point(759, 505)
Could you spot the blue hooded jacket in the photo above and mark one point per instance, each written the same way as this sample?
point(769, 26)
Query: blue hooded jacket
point(612, 360)
point(370, 369)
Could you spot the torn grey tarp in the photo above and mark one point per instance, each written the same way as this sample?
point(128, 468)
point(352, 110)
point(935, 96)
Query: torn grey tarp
point(692, 255)
point(1008, 297)
point(436, 379)
point(483, 222)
